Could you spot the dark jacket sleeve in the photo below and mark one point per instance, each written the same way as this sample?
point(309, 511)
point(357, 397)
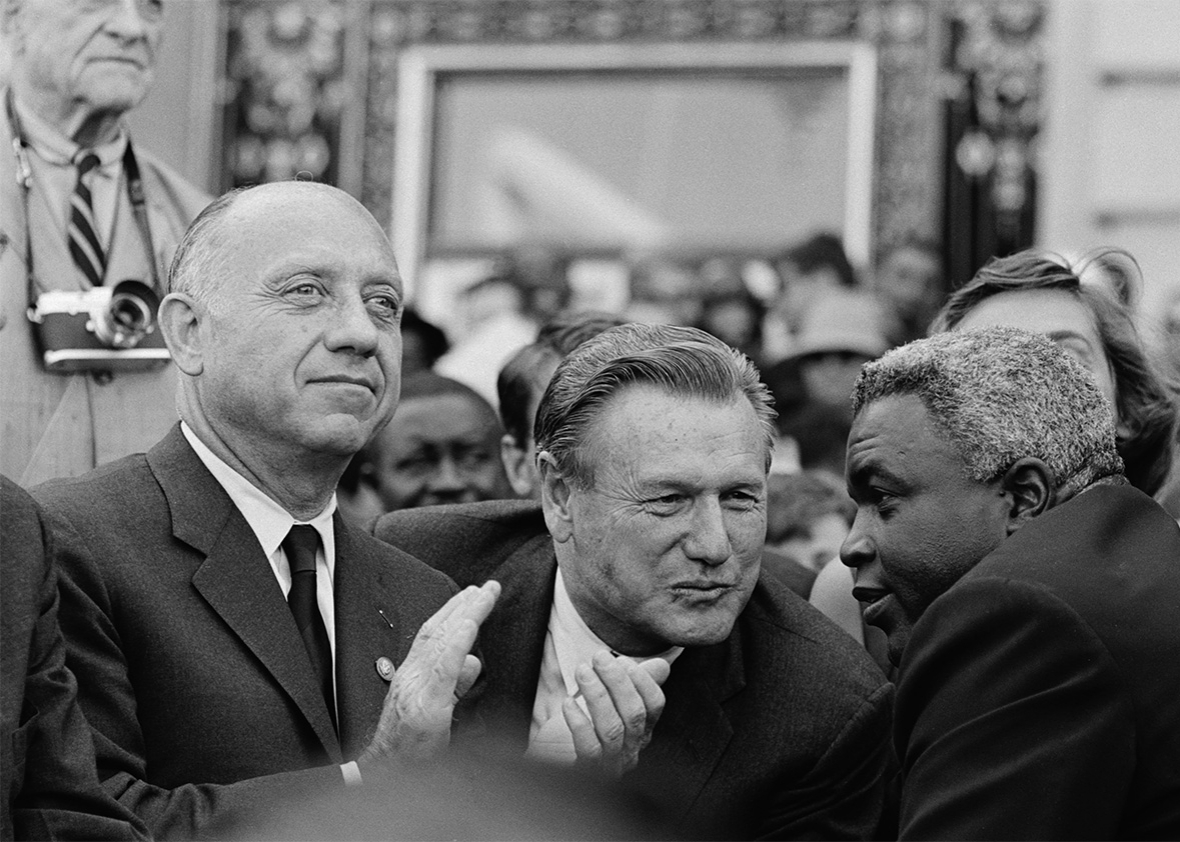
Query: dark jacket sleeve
point(849, 793)
point(1010, 720)
point(51, 788)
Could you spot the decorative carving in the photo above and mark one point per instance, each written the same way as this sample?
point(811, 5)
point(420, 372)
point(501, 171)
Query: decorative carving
point(909, 141)
point(285, 69)
point(287, 63)
point(996, 63)
point(998, 58)
point(908, 146)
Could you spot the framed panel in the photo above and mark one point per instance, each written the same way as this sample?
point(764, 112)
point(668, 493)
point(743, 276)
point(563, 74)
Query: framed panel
point(611, 148)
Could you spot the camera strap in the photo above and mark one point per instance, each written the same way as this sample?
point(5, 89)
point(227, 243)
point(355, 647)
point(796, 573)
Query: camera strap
point(135, 193)
point(24, 180)
point(139, 209)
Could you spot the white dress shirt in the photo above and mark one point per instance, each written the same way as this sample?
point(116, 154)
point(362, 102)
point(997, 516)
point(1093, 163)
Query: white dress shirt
point(271, 523)
point(568, 644)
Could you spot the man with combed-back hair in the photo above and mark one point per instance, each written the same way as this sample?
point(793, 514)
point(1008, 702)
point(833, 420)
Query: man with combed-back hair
point(1028, 591)
point(740, 711)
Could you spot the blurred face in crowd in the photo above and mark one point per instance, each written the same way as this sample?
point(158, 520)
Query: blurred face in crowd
point(663, 547)
point(921, 521)
point(438, 449)
point(77, 58)
point(299, 346)
point(518, 457)
point(1058, 315)
point(415, 357)
point(733, 323)
point(819, 545)
point(909, 278)
point(829, 377)
point(802, 289)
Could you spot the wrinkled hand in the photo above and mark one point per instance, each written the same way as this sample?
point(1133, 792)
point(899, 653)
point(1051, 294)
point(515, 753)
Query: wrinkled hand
point(415, 722)
point(625, 702)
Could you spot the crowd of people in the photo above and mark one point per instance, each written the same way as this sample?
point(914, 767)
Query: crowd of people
point(282, 559)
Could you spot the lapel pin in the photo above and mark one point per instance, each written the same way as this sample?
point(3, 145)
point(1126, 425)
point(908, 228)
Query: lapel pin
point(385, 668)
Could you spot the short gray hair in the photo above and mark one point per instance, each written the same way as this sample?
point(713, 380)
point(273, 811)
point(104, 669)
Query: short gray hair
point(198, 261)
point(682, 361)
point(999, 395)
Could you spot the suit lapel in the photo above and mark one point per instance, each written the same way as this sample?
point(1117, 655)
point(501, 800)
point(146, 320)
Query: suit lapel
point(694, 730)
point(513, 640)
point(369, 626)
point(236, 579)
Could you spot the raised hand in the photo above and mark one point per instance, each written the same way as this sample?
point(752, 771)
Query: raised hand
point(625, 702)
point(415, 722)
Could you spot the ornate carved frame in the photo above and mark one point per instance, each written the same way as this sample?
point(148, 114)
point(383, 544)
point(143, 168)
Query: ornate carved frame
point(904, 33)
point(349, 52)
point(423, 67)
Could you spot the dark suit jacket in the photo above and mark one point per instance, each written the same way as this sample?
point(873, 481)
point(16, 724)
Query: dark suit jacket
point(1037, 698)
point(49, 785)
point(781, 730)
point(192, 672)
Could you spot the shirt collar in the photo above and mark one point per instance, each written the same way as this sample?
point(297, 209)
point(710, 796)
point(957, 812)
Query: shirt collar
point(55, 148)
point(269, 521)
point(575, 643)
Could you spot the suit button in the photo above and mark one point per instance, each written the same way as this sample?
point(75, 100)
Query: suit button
point(385, 668)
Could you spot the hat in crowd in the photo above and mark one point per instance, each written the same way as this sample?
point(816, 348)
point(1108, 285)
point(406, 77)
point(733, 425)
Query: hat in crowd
point(841, 321)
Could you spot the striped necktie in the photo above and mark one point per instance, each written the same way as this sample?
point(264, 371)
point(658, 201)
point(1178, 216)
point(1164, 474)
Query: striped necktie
point(83, 231)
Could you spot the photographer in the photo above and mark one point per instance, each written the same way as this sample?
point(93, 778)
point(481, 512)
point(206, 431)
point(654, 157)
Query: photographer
point(82, 211)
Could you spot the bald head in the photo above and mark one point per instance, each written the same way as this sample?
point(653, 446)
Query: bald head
point(203, 260)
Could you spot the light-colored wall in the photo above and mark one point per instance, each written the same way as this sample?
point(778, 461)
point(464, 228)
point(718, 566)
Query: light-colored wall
point(1110, 148)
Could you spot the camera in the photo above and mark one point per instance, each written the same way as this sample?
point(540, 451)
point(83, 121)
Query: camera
point(108, 328)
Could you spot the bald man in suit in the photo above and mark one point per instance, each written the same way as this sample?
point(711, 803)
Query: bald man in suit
point(224, 664)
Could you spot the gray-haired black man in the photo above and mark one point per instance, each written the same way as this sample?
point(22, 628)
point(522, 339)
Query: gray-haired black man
point(1029, 594)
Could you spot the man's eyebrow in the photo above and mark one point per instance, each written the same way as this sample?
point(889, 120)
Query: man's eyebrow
point(1058, 335)
point(655, 484)
point(383, 280)
point(863, 473)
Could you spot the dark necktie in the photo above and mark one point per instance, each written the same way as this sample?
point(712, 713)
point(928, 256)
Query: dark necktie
point(83, 232)
point(300, 545)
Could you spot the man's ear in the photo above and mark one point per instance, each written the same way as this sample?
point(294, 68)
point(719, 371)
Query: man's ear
point(555, 499)
point(516, 466)
point(1031, 490)
point(183, 324)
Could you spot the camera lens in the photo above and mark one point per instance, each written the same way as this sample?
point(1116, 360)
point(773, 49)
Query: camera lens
point(129, 316)
point(130, 313)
